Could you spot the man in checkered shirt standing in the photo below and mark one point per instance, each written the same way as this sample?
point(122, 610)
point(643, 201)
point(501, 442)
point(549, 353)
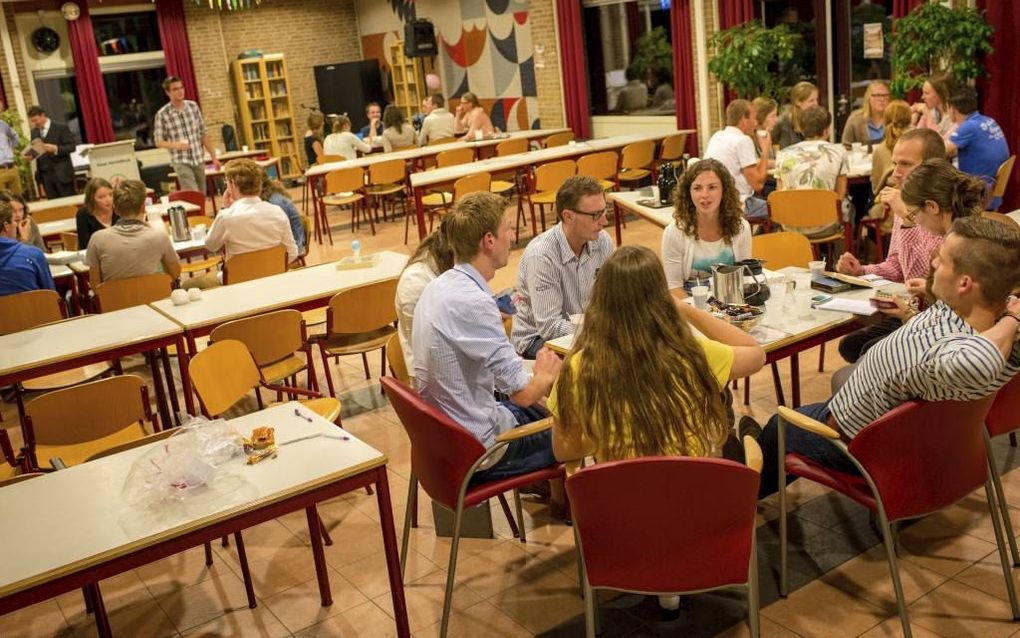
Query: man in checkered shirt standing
point(180, 129)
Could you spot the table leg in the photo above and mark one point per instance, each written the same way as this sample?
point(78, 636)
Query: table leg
point(99, 611)
point(382, 495)
point(321, 573)
point(166, 421)
point(182, 364)
point(795, 379)
point(75, 299)
point(777, 383)
point(618, 221)
point(419, 211)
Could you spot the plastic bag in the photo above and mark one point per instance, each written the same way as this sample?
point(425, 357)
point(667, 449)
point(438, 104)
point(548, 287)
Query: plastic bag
point(189, 459)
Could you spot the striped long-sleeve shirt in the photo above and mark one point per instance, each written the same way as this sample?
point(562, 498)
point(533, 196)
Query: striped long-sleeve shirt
point(936, 356)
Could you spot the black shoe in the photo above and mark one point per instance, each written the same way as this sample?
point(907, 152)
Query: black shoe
point(540, 490)
point(747, 426)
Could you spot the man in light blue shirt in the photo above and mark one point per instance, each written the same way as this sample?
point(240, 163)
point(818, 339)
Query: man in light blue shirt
point(10, 177)
point(461, 352)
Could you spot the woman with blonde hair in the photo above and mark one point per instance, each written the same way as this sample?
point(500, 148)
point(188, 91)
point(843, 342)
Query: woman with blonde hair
point(97, 213)
point(344, 143)
point(896, 122)
point(788, 130)
point(866, 125)
point(709, 226)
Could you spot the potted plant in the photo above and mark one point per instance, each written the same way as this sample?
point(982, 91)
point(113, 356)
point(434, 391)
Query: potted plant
point(933, 39)
point(747, 56)
point(652, 52)
point(11, 117)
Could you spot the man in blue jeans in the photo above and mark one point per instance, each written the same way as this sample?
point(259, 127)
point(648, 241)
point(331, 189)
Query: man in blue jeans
point(461, 352)
point(963, 348)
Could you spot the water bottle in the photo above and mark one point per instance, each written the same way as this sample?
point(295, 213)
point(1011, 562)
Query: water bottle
point(356, 249)
point(667, 182)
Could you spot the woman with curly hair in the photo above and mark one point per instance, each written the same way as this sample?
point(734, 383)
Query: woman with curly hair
point(709, 227)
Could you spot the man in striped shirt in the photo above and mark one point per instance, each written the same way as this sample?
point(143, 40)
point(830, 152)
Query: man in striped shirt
point(557, 270)
point(963, 348)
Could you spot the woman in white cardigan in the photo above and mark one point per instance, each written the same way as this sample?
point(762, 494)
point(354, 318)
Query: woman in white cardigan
point(709, 227)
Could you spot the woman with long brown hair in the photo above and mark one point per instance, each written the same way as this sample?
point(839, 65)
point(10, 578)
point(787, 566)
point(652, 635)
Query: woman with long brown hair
point(97, 213)
point(788, 132)
point(397, 132)
point(933, 109)
point(314, 136)
point(709, 226)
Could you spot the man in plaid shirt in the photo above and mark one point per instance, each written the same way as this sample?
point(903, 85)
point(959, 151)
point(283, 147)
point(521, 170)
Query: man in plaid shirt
point(180, 129)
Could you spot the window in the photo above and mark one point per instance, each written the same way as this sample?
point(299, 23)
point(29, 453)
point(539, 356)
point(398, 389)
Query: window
point(630, 57)
point(135, 96)
point(58, 96)
point(121, 33)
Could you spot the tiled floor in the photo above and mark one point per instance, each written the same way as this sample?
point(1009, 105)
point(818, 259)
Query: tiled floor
point(948, 562)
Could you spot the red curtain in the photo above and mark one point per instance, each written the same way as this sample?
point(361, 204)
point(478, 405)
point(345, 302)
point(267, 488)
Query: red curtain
point(95, 116)
point(683, 70)
point(734, 12)
point(998, 100)
point(174, 36)
point(633, 22)
point(901, 8)
point(573, 68)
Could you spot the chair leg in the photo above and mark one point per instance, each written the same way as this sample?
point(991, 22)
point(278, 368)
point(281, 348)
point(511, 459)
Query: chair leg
point(777, 382)
point(1007, 573)
point(242, 557)
point(409, 512)
point(1012, 439)
point(520, 515)
point(781, 469)
point(890, 551)
point(747, 390)
point(821, 358)
point(99, 610)
point(993, 471)
point(364, 361)
point(326, 371)
point(591, 611)
point(171, 387)
point(451, 570)
point(509, 517)
point(753, 602)
point(208, 554)
point(87, 595)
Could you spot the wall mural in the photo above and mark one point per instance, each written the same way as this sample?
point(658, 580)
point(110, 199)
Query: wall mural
point(484, 47)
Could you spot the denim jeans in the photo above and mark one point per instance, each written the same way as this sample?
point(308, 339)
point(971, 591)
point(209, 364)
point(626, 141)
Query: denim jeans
point(524, 455)
point(755, 208)
point(817, 448)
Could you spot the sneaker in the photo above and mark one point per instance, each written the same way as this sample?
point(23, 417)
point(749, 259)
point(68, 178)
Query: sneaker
point(747, 426)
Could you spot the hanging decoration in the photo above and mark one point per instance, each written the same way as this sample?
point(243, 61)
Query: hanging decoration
point(229, 5)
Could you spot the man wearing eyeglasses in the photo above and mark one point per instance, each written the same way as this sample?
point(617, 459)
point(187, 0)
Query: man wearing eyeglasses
point(557, 270)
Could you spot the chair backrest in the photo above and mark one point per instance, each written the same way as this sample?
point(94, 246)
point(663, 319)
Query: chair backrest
point(455, 156)
point(255, 265)
point(1002, 218)
point(26, 310)
point(269, 337)
point(374, 304)
point(395, 357)
point(512, 146)
point(88, 411)
point(192, 197)
point(222, 374)
point(549, 177)
point(637, 155)
point(442, 140)
point(442, 451)
point(388, 172)
point(559, 139)
point(68, 211)
point(780, 250)
point(130, 445)
point(328, 159)
point(939, 435)
point(116, 294)
point(345, 180)
point(598, 165)
point(406, 147)
point(1004, 415)
point(665, 524)
point(673, 147)
point(69, 240)
point(1002, 177)
point(479, 182)
point(805, 207)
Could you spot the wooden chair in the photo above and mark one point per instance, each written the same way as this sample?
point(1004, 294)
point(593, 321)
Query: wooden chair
point(26, 310)
point(344, 187)
point(548, 179)
point(1002, 218)
point(1001, 179)
point(329, 159)
point(11, 463)
point(387, 180)
point(306, 226)
point(503, 183)
point(395, 357)
point(69, 241)
point(74, 423)
point(602, 166)
point(442, 140)
point(57, 213)
point(672, 149)
point(225, 372)
point(192, 197)
point(636, 162)
point(255, 265)
point(794, 209)
point(358, 320)
point(274, 339)
point(559, 139)
point(117, 294)
point(475, 183)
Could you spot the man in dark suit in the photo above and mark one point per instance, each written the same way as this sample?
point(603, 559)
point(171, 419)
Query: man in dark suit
point(54, 154)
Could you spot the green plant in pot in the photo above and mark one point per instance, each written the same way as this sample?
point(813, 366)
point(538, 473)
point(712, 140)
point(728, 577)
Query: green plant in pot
point(934, 39)
point(747, 55)
point(652, 52)
point(11, 117)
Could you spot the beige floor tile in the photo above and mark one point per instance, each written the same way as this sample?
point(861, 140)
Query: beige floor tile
point(364, 620)
point(819, 609)
point(437, 548)
point(286, 568)
point(42, 619)
point(354, 537)
point(954, 609)
point(183, 570)
point(542, 602)
point(301, 606)
point(120, 591)
point(941, 549)
point(502, 567)
point(893, 628)
point(483, 619)
point(867, 576)
point(424, 598)
point(260, 543)
point(971, 516)
point(201, 603)
point(986, 575)
point(143, 618)
point(768, 629)
point(369, 574)
point(241, 623)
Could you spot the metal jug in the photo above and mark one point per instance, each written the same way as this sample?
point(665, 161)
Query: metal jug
point(728, 283)
point(179, 223)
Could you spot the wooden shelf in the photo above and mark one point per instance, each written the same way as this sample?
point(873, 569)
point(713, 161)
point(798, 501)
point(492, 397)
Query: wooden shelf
point(258, 128)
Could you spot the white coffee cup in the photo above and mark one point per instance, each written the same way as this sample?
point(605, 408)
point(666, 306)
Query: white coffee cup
point(817, 269)
point(194, 294)
point(179, 297)
point(244, 147)
point(857, 148)
point(478, 136)
point(700, 295)
point(165, 200)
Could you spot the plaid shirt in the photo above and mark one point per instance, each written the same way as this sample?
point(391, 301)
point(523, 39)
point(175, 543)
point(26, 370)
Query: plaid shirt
point(186, 124)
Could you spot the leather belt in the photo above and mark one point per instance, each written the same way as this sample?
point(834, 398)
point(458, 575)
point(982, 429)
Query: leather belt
point(6, 166)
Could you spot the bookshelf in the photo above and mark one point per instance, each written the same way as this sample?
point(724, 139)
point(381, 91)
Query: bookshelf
point(267, 115)
point(408, 75)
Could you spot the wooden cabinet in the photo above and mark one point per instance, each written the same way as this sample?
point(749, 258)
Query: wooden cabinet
point(408, 77)
point(267, 115)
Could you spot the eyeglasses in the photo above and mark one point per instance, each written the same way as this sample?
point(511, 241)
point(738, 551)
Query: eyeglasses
point(881, 96)
point(595, 215)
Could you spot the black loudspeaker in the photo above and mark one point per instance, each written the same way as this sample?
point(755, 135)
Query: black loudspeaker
point(419, 39)
point(347, 87)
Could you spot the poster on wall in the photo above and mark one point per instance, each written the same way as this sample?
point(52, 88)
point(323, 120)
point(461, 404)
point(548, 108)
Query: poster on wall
point(874, 43)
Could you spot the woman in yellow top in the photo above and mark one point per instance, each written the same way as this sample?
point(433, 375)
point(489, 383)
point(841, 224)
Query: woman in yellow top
point(637, 381)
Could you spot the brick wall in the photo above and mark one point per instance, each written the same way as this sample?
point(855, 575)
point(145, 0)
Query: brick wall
point(307, 32)
point(550, 91)
point(8, 16)
point(715, 97)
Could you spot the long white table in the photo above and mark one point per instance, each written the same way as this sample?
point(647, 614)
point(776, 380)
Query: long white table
point(71, 528)
point(69, 225)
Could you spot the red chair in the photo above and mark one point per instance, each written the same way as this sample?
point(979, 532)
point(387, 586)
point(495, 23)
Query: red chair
point(444, 457)
point(915, 460)
point(628, 540)
point(1003, 418)
point(192, 197)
